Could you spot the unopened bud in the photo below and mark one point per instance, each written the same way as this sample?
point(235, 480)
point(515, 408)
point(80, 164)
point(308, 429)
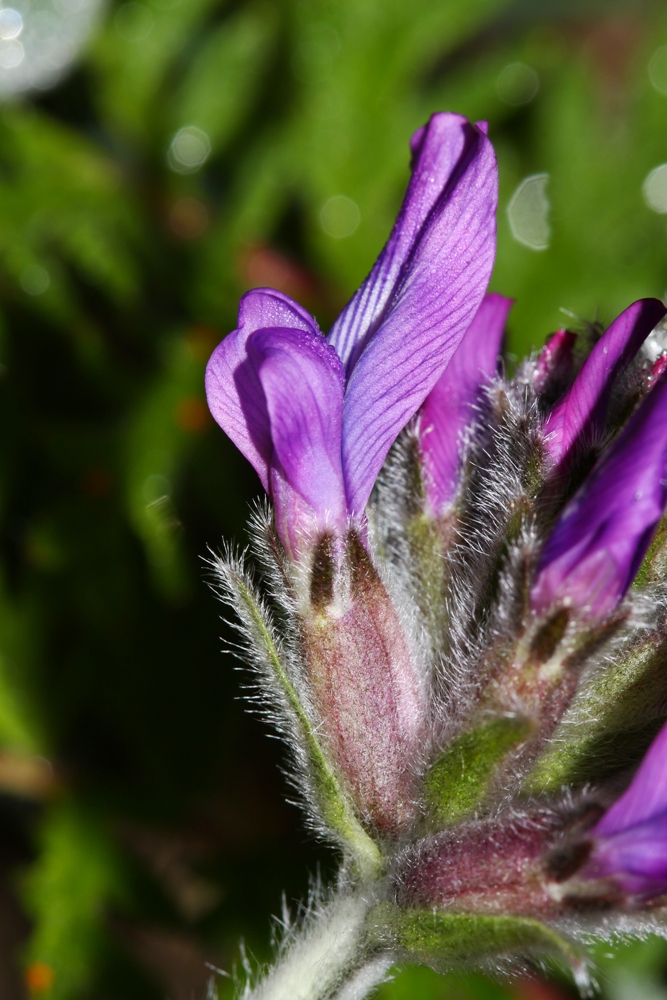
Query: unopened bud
point(365, 683)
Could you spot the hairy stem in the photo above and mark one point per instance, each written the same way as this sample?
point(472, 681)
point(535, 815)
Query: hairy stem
point(329, 957)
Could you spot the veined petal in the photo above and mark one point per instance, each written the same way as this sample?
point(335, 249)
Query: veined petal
point(440, 289)
point(582, 412)
point(593, 553)
point(302, 380)
point(449, 407)
point(436, 148)
point(233, 391)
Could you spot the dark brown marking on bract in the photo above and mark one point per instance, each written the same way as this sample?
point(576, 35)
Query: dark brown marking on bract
point(322, 578)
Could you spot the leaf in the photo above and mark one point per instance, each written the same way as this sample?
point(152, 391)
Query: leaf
point(160, 433)
point(62, 203)
point(134, 55)
point(447, 940)
point(22, 731)
point(610, 724)
point(458, 781)
point(221, 83)
point(66, 893)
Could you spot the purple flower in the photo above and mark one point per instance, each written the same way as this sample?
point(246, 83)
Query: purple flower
point(593, 553)
point(630, 841)
point(579, 418)
point(317, 417)
point(449, 407)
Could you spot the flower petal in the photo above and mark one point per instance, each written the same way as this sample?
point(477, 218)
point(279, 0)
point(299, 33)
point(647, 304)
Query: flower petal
point(582, 412)
point(449, 407)
point(645, 798)
point(436, 148)
point(630, 841)
point(636, 858)
point(440, 289)
point(593, 553)
point(234, 393)
point(302, 380)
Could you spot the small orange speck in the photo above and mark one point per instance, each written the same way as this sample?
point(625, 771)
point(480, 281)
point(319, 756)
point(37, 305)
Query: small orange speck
point(39, 977)
point(191, 414)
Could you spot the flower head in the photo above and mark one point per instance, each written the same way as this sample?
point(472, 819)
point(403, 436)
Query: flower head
point(317, 417)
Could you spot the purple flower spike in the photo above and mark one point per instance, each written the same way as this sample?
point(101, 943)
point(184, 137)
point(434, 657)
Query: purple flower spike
point(581, 414)
point(449, 407)
point(630, 841)
point(593, 553)
point(317, 420)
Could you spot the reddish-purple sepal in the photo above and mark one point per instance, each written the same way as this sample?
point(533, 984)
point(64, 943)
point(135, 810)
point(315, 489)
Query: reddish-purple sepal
point(367, 688)
point(554, 366)
point(485, 866)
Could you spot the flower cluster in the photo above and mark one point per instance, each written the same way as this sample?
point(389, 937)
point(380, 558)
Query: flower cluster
point(465, 622)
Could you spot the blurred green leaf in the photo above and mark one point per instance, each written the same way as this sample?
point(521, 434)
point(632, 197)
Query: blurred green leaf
point(169, 418)
point(68, 892)
point(141, 44)
point(222, 82)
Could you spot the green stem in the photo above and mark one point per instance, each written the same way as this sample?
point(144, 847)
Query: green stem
point(329, 959)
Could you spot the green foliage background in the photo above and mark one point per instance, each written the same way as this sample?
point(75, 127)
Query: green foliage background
point(143, 829)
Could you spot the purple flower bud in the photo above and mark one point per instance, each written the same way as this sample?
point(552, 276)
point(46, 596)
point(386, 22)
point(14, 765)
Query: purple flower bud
point(593, 553)
point(630, 841)
point(449, 407)
point(580, 416)
point(318, 456)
